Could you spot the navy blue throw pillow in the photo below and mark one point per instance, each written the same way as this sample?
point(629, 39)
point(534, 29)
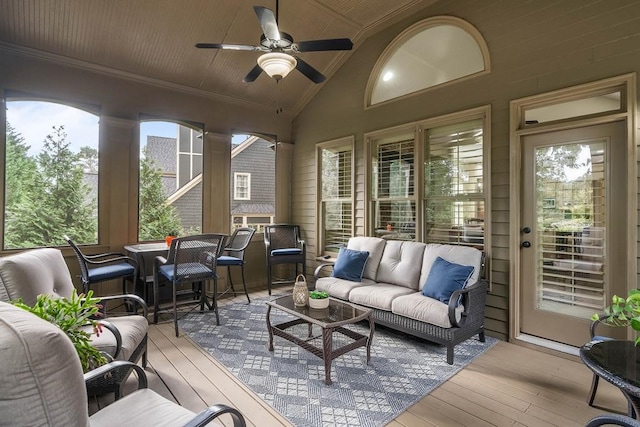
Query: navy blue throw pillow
point(350, 264)
point(444, 278)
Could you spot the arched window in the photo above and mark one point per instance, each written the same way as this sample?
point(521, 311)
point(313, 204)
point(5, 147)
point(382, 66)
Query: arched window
point(430, 53)
point(51, 173)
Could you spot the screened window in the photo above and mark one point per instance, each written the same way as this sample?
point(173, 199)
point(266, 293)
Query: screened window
point(170, 183)
point(51, 175)
point(454, 198)
point(393, 191)
point(242, 186)
point(430, 53)
point(335, 166)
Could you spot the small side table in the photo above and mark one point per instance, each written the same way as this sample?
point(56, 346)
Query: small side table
point(619, 363)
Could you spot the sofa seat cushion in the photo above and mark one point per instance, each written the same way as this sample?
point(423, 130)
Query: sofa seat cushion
point(132, 328)
point(375, 247)
point(340, 288)
point(378, 296)
point(424, 309)
point(400, 264)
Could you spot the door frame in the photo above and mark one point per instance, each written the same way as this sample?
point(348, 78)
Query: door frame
point(518, 128)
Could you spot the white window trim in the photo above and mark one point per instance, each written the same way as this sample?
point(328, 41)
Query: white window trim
point(236, 175)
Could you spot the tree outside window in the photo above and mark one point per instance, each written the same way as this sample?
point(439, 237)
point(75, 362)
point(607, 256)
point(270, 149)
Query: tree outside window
point(50, 181)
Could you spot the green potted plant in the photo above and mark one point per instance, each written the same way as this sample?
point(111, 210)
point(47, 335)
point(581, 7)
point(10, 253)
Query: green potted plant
point(318, 299)
point(623, 312)
point(72, 316)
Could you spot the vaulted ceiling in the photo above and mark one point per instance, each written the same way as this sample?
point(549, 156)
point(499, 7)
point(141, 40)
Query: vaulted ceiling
point(153, 40)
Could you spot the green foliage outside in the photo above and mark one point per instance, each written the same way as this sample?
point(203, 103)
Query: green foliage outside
point(46, 196)
point(72, 316)
point(157, 218)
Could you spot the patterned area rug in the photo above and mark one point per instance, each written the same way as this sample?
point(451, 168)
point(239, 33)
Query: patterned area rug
point(403, 369)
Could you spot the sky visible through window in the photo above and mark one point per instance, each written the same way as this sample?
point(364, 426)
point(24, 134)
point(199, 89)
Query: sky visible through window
point(34, 120)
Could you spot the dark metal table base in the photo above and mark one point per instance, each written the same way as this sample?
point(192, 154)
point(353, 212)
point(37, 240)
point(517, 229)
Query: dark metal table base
point(327, 353)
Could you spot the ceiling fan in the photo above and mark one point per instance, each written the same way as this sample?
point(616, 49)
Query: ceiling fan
point(279, 49)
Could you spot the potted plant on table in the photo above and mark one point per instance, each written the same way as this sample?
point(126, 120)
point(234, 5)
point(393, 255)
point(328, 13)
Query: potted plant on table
point(623, 312)
point(318, 299)
point(73, 316)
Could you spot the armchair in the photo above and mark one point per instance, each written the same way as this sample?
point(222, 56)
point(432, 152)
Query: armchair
point(283, 245)
point(43, 384)
point(102, 267)
point(43, 271)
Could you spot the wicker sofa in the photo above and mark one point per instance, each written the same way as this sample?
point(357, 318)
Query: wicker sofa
point(392, 283)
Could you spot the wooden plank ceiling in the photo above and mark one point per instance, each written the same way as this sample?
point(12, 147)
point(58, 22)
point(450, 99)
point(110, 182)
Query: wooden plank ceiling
point(154, 39)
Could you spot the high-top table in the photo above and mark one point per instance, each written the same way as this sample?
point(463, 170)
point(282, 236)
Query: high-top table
point(143, 253)
point(619, 363)
point(330, 320)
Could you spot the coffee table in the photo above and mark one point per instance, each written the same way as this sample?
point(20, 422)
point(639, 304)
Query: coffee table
point(330, 320)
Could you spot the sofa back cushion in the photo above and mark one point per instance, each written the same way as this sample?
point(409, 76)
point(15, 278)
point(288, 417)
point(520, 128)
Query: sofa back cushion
point(400, 263)
point(373, 245)
point(31, 273)
point(465, 255)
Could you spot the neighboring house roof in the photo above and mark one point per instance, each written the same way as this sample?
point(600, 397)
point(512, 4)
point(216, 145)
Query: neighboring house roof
point(239, 148)
point(163, 152)
point(253, 208)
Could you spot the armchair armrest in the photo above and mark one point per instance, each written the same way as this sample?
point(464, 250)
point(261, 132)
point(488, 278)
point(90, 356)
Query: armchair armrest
point(114, 372)
point(116, 333)
point(473, 301)
point(319, 268)
point(213, 412)
point(131, 298)
point(110, 257)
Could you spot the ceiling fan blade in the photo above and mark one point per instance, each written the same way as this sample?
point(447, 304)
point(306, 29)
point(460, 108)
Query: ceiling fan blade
point(267, 22)
point(309, 72)
point(253, 74)
point(226, 46)
point(328, 44)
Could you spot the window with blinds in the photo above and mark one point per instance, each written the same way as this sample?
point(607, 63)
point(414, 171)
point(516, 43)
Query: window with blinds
point(393, 198)
point(454, 198)
point(336, 195)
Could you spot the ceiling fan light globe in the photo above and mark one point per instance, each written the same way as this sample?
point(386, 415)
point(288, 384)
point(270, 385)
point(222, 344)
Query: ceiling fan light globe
point(277, 64)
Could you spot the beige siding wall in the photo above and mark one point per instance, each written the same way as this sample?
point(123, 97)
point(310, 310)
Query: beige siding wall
point(535, 47)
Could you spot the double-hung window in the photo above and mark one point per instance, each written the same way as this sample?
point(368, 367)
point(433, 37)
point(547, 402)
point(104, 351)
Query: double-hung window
point(454, 184)
point(335, 187)
point(393, 193)
point(242, 186)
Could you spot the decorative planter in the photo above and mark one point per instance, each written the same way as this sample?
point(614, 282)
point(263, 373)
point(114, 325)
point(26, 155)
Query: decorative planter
point(169, 239)
point(319, 303)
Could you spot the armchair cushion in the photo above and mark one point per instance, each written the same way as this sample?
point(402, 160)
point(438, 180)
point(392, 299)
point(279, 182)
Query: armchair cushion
point(444, 278)
point(133, 330)
point(39, 386)
point(225, 260)
point(109, 271)
point(286, 251)
point(350, 264)
point(142, 407)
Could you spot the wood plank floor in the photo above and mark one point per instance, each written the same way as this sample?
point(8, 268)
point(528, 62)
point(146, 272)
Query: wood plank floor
point(509, 385)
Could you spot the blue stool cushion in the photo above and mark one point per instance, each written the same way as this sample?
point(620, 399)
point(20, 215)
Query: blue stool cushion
point(110, 272)
point(187, 271)
point(229, 260)
point(286, 251)
point(601, 338)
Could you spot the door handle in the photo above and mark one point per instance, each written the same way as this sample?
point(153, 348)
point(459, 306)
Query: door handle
point(526, 244)
point(526, 230)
